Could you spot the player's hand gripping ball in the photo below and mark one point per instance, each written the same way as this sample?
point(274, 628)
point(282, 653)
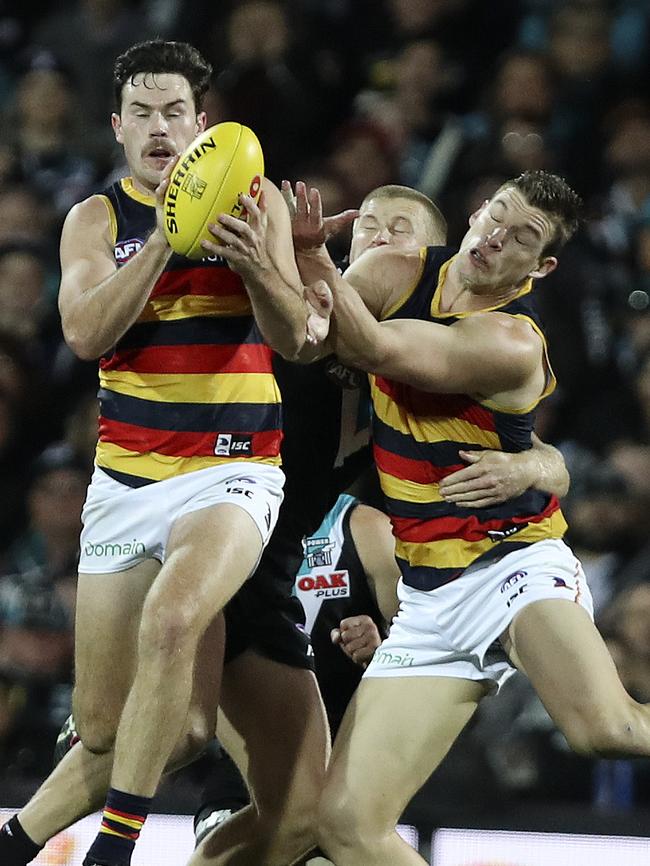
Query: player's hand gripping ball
point(220, 164)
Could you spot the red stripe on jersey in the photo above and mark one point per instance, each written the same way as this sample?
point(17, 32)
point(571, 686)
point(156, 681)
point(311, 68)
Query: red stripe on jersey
point(423, 404)
point(470, 528)
point(244, 358)
point(408, 469)
point(180, 444)
point(198, 280)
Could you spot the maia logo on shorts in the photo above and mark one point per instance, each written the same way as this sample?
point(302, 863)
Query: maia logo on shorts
point(233, 445)
point(114, 548)
point(125, 250)
point(318, 551)
point(392, 659)
point(335, 584)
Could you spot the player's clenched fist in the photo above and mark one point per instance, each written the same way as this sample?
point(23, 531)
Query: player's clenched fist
point(358, 637)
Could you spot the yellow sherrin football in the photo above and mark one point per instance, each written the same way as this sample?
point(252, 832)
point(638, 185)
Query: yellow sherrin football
point(220, 164)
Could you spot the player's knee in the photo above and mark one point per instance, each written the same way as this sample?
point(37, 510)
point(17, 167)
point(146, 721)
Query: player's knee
point(167, 630)
point(602, 735)
point(340, 824)
point(199, 732)
point(95, 724)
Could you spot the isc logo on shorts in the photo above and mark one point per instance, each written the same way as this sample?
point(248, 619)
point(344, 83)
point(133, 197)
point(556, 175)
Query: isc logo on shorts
point(233, 445)
point(334, 584)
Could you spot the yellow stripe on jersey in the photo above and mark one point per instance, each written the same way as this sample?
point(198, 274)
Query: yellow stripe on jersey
point(111, 217)
point(127, 185)
point(158, 467)
point(430, 430)
point(170, 307)
point(408, 491)
point(458, 553)
point(212, 388)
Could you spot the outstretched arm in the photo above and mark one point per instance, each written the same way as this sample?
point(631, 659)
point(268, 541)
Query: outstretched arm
point(495, 476)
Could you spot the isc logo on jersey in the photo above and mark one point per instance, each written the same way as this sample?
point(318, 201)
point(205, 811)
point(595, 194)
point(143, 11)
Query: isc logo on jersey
point(334, 584)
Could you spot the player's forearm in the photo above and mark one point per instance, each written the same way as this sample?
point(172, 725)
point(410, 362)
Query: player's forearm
point(280, 311)
point(548, 469)
point(357, 338)
point(97, 317)
point(315, 264)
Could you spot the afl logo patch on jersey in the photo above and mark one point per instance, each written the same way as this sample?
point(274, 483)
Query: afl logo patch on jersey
point(125, 250)
point(334, 584)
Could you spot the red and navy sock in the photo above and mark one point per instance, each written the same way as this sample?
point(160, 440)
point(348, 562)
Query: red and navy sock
point(124, 815)
point(16, 848)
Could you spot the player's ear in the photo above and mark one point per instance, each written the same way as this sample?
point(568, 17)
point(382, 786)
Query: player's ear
point(473, 217)
point(116, 123)
point(201, 121)
point(544, 268)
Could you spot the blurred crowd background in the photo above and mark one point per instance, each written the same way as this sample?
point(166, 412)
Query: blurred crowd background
point(448, 96)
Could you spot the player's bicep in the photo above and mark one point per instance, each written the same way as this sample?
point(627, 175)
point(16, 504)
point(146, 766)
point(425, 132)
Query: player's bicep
point(475, 355)
point(87, 257)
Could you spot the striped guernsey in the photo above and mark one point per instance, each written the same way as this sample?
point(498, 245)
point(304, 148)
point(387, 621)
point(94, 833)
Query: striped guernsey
point(190, 385)
point(417, 436)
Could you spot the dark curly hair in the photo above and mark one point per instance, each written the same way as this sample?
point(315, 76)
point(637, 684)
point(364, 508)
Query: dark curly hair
point(157, 55)
point(553, 195)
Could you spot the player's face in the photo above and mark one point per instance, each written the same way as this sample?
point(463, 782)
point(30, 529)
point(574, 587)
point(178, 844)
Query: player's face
point(400, 222)
point(504, 244)
point(157, 121)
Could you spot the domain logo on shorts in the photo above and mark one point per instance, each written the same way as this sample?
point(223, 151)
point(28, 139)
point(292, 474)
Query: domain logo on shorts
point(114, 548)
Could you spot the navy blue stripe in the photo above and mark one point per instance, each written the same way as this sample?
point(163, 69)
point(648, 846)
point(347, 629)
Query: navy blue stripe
point(125, 478)
point(199, 330)
point(425, 578)
point(514, 431)
point(191, 417)
point(530, 503)
point(404, 445)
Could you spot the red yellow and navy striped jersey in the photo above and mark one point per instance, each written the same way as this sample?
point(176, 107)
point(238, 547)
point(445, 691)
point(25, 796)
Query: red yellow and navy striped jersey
point(190, 385)
point(416, 439)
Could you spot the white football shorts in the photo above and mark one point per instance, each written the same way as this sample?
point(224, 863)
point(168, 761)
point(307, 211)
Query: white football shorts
point(453, 631)
point(124, 525)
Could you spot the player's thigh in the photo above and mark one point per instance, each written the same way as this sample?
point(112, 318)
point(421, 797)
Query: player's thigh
point(394, 734)
point(108, 612)
point(556, 643)
point(210, 553)
point(281, 732)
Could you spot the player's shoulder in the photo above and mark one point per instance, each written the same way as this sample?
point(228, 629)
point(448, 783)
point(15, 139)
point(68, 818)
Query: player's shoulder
point(91, 213)
point(512, 338)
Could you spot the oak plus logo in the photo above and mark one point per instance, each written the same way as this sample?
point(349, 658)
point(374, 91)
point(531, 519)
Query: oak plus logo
point(333, 584)
point(105, 549)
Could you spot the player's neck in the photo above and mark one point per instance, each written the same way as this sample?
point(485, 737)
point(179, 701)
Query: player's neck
point(461, 294)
